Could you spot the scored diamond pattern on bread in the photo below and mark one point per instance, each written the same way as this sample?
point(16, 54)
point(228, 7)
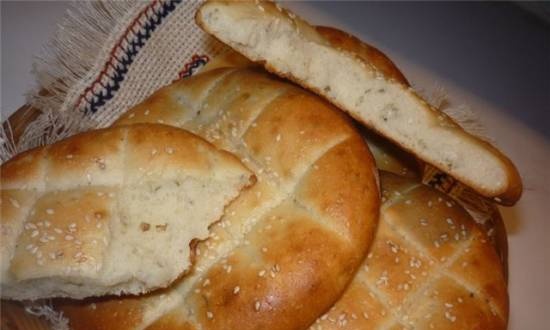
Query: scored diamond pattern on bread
point(300, 232)
point(430, 267)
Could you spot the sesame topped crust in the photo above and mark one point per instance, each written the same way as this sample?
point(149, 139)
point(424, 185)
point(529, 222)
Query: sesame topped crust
point(430, 267)
point(299, 232)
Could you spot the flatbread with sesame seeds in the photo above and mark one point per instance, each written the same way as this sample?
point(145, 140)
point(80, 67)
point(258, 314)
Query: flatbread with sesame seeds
point(285, 250)
point(110, 211)
point(430, 267)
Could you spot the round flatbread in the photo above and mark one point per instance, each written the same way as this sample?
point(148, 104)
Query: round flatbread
point(285, 249)
point(430, 267)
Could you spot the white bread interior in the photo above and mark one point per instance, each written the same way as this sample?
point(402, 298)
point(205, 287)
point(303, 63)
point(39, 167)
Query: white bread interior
point(291, 48)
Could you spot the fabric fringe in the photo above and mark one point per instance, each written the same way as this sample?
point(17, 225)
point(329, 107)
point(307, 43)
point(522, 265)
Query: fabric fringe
point(67, 64)
point(69, 59)
point(8, 148)
point(462, 114)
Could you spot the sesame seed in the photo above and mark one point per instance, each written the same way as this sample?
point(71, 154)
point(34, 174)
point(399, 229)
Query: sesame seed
point(261, 273)
point(236, 290)
point(30, 225)
point(209, 315)
point(132, 115)
point(69, 237)
point(450, 317)
point(49, 211)
point(44, 239)
point(146, 112)
point(257, 306)
point(69, 156)
point(57, 230)
point(383, 279)
point(278, 138)
point(29, 247)
point(35, 233)
point(205, 283)
point(169, 150)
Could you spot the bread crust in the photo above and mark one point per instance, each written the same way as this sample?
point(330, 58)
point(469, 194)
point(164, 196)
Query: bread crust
point(430, 267)
point(373, 61)
point(300, 232)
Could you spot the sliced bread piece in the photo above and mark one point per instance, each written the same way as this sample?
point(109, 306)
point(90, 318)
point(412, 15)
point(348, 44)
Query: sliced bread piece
point(352, 75)
point(110, 211)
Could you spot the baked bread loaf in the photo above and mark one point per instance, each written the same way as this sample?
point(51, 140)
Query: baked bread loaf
point(110, 211)
point(300, 232)
point(354, 77)
point(430, 267)
point(391, 159)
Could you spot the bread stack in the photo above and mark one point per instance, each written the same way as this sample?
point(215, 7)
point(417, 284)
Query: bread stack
point(234, 199)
